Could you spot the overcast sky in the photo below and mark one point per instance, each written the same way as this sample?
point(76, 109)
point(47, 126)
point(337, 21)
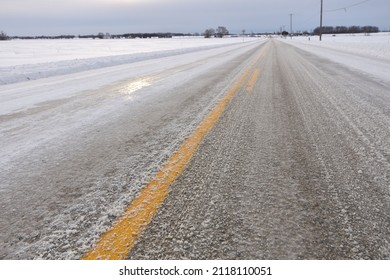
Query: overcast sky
point(55, 17)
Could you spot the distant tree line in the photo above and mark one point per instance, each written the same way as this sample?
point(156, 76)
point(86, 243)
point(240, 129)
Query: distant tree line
point(220, 32)
point(345, 29)
point(102, 35)
point(152, 35)
point(44, 37)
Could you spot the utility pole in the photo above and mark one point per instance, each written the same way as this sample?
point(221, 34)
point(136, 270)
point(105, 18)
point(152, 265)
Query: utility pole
point(291, 25)
point(322, 1)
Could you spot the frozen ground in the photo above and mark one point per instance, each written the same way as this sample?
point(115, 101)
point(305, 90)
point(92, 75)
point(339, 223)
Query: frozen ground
point(376, 45)
point(367, 54)
point(22, 60)
point(83, 128)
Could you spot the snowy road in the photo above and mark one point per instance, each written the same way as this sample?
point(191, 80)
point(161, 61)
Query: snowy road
point(75, 149)
point(296, 167)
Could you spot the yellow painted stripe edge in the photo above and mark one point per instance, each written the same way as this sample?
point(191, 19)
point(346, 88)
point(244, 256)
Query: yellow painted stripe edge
point(116, 243)
point(253, 79)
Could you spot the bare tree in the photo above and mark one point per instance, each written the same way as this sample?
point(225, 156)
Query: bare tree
point(209, 33)
point(3, 36)
point(221, 31)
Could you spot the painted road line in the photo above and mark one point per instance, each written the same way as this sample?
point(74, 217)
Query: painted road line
point(253, 79)
point(116, 243)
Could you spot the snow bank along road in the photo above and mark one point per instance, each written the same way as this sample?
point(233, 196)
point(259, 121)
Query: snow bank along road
point(293, 159)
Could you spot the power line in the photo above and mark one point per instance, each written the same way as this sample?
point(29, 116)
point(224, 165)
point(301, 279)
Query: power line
point(320, 13)
point(347, 7)
point(307, 19)
point(344, 8)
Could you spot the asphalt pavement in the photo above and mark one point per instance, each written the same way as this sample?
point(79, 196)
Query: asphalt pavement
point(297, 167)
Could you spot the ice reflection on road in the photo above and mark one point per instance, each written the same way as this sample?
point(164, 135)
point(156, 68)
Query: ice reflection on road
point(136, 85)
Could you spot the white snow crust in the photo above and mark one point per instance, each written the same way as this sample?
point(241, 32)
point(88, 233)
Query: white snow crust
point(368, 54)
point(22, 60)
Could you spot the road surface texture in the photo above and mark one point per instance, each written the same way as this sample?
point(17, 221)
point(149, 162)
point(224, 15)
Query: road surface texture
point(76, 149)
point(296, 167)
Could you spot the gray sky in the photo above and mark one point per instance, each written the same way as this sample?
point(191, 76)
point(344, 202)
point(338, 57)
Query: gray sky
point(55, 17)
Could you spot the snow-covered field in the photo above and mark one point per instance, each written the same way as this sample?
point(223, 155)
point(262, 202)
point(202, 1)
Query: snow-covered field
point(367, 54)
point(22, 60)
point(375, 45)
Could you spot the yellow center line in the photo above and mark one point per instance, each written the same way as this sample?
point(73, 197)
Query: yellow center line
point(253, 79)
point(116, 243)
